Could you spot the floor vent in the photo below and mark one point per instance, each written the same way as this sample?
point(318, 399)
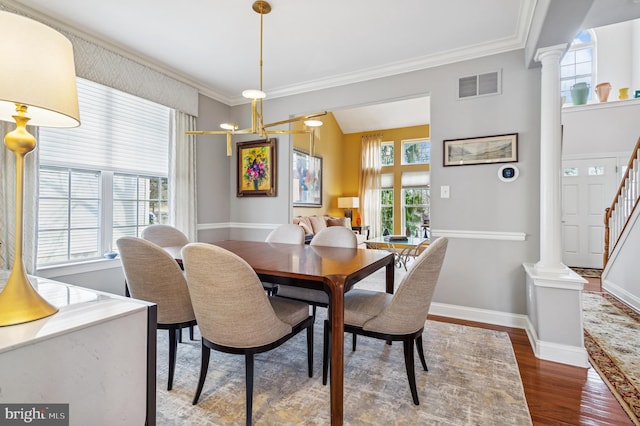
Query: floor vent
point(479, 85)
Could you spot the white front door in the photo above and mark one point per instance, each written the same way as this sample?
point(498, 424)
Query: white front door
point(588, 187)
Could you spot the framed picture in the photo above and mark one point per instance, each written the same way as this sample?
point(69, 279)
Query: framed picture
point(257, 168)
point(307, 179)
point(482, 150)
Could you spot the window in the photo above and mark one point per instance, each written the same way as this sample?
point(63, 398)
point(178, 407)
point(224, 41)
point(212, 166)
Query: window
point(415, 200)
point(386, 151)
point(578, 64)
point(105, 179)
point(416, 151)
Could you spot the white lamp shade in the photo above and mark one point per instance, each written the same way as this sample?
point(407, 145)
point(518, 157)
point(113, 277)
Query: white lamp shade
point(37, 70)
point(348, 202)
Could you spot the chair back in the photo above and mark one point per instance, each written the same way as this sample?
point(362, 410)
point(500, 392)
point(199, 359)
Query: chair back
point(407, 311)
point(230, 304)
point(287, 233)
point(164, 235)
point(153, 275)
point(335, 236)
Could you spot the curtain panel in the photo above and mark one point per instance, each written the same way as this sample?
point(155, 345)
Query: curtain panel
point(371, 182)
point(182, 175)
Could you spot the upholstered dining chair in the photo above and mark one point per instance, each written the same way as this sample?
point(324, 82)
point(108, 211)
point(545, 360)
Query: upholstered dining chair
point(400, 316)
point(164, 235)
point(286, 234)
point(167, 236)
point(234, 313)
point(333, 236)
point(153, 275)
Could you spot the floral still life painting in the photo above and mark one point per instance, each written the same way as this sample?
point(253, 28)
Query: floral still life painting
point(257, 168)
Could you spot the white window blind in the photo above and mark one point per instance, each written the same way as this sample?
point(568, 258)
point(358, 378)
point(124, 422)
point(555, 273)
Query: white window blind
point(118, 132)
point(415, 179)
point(386, 180)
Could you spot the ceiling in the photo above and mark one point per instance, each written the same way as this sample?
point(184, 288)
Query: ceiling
point(214, 44)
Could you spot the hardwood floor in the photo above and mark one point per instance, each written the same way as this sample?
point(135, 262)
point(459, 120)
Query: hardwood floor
point(559, 394)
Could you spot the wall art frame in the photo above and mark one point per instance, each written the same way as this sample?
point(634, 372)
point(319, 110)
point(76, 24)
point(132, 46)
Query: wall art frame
point(481, 150)
point(257, 168)
point(306, 179)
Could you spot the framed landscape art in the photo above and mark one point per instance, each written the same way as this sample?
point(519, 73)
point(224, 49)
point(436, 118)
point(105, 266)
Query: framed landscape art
point(482, 150)
point(307, 179)
point(257, 168)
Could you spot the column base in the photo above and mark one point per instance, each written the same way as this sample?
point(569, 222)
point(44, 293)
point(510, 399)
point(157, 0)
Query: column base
point(554, 309)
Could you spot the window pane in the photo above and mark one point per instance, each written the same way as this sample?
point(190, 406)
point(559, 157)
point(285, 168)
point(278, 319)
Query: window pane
point(570, 171)
point(386, 151)
point(68, 215)
point(584, 55)
point(596, 171)
point(387, 210)
point(416, 152)
point(416, 208)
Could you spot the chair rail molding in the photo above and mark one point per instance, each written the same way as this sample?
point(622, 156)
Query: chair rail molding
point(479, 235)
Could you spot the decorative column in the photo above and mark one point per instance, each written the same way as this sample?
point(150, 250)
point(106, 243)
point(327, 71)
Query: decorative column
point(554, 292)
point(550, 161)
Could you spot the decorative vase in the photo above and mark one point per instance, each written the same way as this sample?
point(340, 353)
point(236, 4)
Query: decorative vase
point(255, 184)
point(623, 93)
point(579, 93)
point(603, 90)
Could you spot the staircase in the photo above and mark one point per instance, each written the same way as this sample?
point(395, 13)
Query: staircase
point(622, 237)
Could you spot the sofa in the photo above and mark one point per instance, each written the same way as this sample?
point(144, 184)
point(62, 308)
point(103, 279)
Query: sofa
point(314, 224)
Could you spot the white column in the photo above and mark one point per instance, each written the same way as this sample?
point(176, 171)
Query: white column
point(550, 162)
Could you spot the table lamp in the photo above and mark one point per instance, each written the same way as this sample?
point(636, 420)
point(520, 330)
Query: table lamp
point(37, 86)
point(348, 203)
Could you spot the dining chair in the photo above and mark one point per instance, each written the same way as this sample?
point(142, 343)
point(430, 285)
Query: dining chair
point(288, 233)
point(394, 317)
point(153, 275)
point(164, 235)
point(333, 236)
point(167, 236)
point(234, 313)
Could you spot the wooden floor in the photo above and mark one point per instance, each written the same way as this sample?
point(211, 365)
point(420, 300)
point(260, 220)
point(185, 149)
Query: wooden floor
point(559, 394)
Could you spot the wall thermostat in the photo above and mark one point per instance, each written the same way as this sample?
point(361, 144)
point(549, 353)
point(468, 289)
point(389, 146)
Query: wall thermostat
point(508, 173)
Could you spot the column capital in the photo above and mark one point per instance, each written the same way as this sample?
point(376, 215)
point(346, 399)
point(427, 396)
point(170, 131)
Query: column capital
point(544, 52)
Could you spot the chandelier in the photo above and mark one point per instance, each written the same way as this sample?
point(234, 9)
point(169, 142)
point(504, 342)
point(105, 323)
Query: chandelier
point(258, 127)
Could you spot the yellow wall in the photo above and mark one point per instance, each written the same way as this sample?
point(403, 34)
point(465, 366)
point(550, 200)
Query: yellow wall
point(352, 156)
point(341, 163)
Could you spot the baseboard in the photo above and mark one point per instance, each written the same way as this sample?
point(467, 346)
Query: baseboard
point(548, 351)
point(622, 294)
point(479, 315)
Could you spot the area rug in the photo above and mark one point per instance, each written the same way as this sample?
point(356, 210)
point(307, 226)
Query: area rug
point(612, 340)
point(588, 272)
point(473, 379)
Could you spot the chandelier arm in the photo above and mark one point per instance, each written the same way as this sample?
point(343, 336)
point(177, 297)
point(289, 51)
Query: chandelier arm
point(294, 119)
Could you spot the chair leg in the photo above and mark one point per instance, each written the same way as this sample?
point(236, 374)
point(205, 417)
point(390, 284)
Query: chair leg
point(191, 333)
point(326, 348)
point(409, 364)
point(173, 346)
point(421, 353)
point(248, 358)
point(179, 335)
point(310, 349)
point(353, 344)
point(204, 366)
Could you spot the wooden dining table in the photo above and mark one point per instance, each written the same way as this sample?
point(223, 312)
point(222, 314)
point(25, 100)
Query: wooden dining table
point(334, 270)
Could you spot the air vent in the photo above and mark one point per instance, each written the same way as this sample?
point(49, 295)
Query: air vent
point(479, 85)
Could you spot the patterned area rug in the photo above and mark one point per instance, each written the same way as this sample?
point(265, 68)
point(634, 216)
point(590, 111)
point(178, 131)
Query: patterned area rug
point(473, 379)
point(588, 272)
point(612, 340)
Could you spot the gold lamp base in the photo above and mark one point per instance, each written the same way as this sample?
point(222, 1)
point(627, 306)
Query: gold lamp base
point(19, 302)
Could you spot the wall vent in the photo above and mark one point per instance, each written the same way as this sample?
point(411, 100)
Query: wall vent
point(479, 85)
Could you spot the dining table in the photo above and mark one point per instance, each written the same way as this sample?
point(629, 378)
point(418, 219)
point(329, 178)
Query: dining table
point(331, 269)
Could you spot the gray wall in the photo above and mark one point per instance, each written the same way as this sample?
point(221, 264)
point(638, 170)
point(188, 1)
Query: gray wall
point(478, 273)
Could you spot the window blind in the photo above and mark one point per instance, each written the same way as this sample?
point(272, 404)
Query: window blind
point(119, 132)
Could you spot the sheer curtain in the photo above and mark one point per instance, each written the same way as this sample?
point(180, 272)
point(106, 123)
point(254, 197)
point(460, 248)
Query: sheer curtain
point(8, 204)
point(370, 183)
point(182, 176)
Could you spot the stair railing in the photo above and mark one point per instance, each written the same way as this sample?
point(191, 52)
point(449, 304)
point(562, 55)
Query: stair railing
point(616, 217)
